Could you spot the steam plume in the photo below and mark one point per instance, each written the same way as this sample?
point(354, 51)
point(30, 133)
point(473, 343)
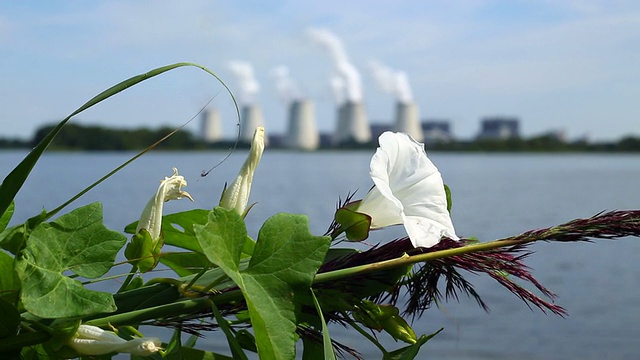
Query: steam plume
point(392, 81)
point(351, 87)
point(249, 86)
point(285, 85)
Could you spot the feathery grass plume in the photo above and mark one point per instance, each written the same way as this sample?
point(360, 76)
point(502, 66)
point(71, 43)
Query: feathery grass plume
point(604, 225)
point(502, 264)
point(502, 260)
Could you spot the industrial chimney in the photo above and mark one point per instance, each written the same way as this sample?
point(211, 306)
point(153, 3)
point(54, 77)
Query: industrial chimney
point(352, 124)
point(302, 133)
point(251, 119)
point(211, 129)
point(407, 120)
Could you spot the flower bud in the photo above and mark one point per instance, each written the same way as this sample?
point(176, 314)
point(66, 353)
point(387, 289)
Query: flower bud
point(236, 196)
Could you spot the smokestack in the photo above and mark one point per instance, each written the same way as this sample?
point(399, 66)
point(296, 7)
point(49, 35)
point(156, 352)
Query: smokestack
point(303, 133)
point(251, 119)
point(211, 128)
point(407, 120)
point(352, 124)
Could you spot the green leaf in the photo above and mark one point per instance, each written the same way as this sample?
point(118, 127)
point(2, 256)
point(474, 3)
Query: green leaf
point(195, 354)
point(234, 345)
point(13, 238)
point(185, 263)
point(409, 352)
point(327, 346)
point(25, 341)
point(6, 217)
point(9, 282)
point(10, 319)
point(279, 275)
point(77, 241)
point(355, 225)
point(222, 240)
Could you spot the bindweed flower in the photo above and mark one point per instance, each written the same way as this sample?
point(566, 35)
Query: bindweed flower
point(91, 340)
point(145, 245)
point(236, 196)
point(408, 190)
point(170, 189)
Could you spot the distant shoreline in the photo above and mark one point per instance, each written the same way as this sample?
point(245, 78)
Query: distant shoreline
point(75, 137)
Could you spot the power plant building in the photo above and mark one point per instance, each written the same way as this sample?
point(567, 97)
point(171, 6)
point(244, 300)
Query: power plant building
point(407, 120)
point(302, 131)
point(251, 118)
point(353, 126)
point(211, 128)
point(438, 131)
point(500, 128)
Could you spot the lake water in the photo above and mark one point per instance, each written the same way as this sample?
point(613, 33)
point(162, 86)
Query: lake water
point(494, 196)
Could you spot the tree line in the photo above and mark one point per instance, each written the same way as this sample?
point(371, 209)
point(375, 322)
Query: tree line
point(99, 138)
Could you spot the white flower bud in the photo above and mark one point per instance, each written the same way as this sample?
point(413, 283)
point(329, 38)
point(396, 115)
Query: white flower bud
point(91, 340)
point(236, 196)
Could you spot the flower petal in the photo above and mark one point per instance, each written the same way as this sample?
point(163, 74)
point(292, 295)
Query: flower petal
point(408, 190)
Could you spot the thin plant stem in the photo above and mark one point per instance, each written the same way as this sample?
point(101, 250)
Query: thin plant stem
point(405, 259)
point(127, 281)
point(366, 334)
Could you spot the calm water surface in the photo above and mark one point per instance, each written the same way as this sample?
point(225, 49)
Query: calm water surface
point(494, 196)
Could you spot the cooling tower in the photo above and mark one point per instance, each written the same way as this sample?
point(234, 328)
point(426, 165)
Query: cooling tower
point(352, 124)
point(302, 133)
point(211, 129)
point(407, 120)
point(251, 119)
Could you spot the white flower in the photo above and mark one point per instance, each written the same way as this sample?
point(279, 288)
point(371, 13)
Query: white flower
point(408, 190)
point(170, 189)
point(91, 340)
point(236, 196)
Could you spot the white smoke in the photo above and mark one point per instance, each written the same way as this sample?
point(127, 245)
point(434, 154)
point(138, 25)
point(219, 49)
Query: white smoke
point(392, 81)
point(249, 86)
point(285, 85)
point(338, 88)
point(351, 87)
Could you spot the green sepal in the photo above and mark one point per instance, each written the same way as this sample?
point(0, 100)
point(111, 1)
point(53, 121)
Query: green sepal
point(447, 192)
point(384, 317)
point(355, 225)
point(143, 251)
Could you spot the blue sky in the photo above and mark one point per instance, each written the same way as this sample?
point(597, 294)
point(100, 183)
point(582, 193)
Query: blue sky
point(558, 65)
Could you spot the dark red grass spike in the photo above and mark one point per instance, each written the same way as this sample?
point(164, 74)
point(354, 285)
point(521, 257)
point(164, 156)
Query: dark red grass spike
point(423, 287)
point(605, 225)
point(528, 297)
point(391, 250)
point(495, 263)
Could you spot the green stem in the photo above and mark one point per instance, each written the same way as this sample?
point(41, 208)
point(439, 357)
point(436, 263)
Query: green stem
point(409, 260)
point(163, 311)
point(366, 334)
point(192, 305)
point(127, 281)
